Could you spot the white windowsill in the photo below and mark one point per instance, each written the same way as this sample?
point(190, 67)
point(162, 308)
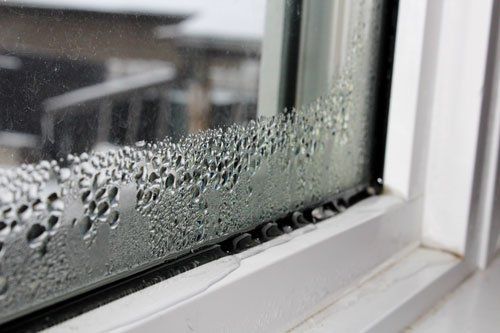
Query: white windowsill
point(279, 283)
point(392, 299)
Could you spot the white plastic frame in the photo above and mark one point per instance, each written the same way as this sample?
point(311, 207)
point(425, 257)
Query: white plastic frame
point(435, 134)
point(431, 167)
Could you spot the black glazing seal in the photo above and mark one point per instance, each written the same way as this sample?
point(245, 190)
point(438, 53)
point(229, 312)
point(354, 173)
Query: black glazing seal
point(383, 93)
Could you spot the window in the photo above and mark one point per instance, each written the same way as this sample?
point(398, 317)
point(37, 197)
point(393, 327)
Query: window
point(133, 134)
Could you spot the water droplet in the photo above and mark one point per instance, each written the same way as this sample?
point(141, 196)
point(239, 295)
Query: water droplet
point(85, 225)
point(113, 194)
point(169, 182)
point(153, 176)
point(64, 174)
point(113, 219)
point(99, 193)
point(147, 196)
point(86, 196)
point(102, 209)
point(24, 212)
point(52, 197)
point(92, 206)
point(52, 221)
point(3, 227)
point(139, 195)
point(35, 233)
point(140, 144)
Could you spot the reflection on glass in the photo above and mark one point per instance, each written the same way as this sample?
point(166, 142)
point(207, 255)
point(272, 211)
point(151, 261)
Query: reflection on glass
point(82, 75)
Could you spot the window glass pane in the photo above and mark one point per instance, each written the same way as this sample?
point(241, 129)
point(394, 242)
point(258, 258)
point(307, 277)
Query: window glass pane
point(129, 131)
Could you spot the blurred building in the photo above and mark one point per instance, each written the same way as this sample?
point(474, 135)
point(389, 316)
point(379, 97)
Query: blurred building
point(81, 75)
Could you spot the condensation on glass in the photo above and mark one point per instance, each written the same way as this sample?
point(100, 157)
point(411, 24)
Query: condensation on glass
point(129, 133)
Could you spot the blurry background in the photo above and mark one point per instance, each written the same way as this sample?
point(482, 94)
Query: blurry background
point(80, 75)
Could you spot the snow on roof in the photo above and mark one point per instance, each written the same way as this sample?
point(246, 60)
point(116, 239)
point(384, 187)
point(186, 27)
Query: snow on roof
point(231, 19)
point(223, 19)
point(152, 7)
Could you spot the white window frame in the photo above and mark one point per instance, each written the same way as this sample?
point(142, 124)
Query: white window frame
point(436, 136)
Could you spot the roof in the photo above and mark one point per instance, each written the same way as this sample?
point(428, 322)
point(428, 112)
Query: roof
point(216, 19)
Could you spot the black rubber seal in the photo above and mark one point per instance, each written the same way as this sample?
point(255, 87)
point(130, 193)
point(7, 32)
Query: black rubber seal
point(383, 94)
